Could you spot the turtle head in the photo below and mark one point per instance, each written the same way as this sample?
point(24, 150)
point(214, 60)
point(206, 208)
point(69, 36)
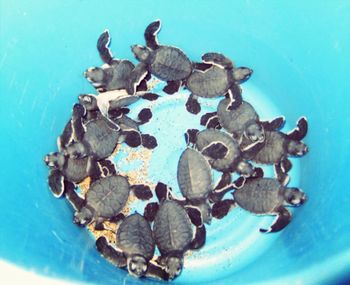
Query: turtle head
point(95, 75)
point(137, 265)
point(83, 217)
point(297, 148)
point(245, 168)
point(294, 196)
point(173, 266)
point(55, 160)
point(255, 132)
point(141, 53)
point(88, 101)
point(205, 210)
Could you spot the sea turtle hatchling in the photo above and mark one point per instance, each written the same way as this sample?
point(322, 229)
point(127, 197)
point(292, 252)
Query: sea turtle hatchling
point(134, 248)
point(115, 73)
point(220, 79)
point(167, 63)
point(277, 146)
point(266, 196)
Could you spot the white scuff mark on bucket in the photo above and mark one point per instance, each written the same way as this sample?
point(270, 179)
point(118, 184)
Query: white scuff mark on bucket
point(24, 92)
point(43, 115)
point(3, 60)
point(56, 236)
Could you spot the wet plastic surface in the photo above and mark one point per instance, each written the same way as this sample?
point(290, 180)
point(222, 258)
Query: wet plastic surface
point(300, 56)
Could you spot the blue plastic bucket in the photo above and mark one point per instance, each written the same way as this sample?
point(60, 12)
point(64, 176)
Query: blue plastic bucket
point(300, 54)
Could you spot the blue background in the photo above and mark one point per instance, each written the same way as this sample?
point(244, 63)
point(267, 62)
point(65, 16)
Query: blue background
point(300, 53)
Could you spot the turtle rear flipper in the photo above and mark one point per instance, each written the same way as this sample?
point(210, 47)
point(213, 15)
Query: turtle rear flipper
point(191, 136)
point(144, 116)
point(199, 238)
point(172, 87)
point(218, 59)
point(192, 105)
point(132, 138)
point(150, 211)
point(150, 96)
point(148, 141)
point(151, 34)
point(142, 191)
point(103, 43)
point(221, 208)
point(300, 131)
point(283, 219)
point(56, 183)
point(108, 252)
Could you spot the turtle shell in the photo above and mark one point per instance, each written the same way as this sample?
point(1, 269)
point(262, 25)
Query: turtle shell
point(194, 175)
point(170, 64)
point(260, 195)
point(213, 82)
point(108, 196)
point(134, 236)
point(172, 228)
point(233, 156)
point(75, 170)
point(120, 74)
point(235, 121)
point(273, 149)
point(101, 139)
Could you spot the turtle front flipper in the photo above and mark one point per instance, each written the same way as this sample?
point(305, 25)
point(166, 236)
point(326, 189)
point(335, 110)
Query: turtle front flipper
point(199, 238)
point(142, 191)
point(150, 96)
point(215, 150)
point(150, 211)
point(275, 124)
point(172, 87)
point(108, 252)
point(221, 208)
point(192, 105)
point(191, 136)
point(210, 120)
point(78, 127)
point(151, 34)
point(148, 141)
point(235, 96)
point(66, 137)
point(56, 183)
point(103, 43)
point(144, 116)
point(300, 131)
point(218, 59)
point(283, 219)
point(74, 199)
point(195, 215)
point(135, 77)
point(132, 138)
point(156, 271)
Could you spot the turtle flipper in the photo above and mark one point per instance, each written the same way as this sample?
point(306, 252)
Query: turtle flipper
point(132, 138)
point(156, 271)
point(162, 192)
point(141, 191)
point(56, 183)
point(281, 170)
point(150, 211)
point(103, 43)
point(107, 167)
point(151, 34)
point(201, 66)
point(77, 121)
point(150, 96)
point(192, 105)
point(108, 252)
point(221, 208)
point(76, 201)
point(66, 137)
point(144, 116)
point(135, 78)
point(242, 74)
point(195, 215)
point(172, 87)
point(218, 59)
point(148, 141)
point(142, 86)
point(300, 131)
point(199, 238)
point(235, 96)
point(275, 124)
point(215, 150)
point(283, 219)
point(210, 120)
point(191, 136)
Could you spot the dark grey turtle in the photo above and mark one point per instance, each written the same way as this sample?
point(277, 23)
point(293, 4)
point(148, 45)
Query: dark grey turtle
point(267, 196)
point(173, 234)
point(233, 160)
point(115, 73)
point(104, 200)
point(220, 79)
point(66, 170)
point(168, 63)
point(277, 146)
point(134, 249)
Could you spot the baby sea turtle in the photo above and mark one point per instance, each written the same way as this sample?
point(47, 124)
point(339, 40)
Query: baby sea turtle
point(277, 146)
point(134, 248)
point(65, 170)
point(267, 196)
point(168, 63)
point(220, 79)
point(115, 73)
point(233, 160)
point(173, 234)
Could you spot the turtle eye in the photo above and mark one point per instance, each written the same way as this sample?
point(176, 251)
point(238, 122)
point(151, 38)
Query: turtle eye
point(178, 271)
point(144, 268)
point(132, 266)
